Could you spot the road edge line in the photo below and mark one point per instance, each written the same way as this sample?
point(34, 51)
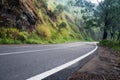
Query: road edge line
point(59, 68)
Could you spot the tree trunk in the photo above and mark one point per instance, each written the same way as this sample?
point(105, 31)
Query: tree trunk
point(112, 35)
point(105, 34)
point(106, 20)
point(118, 36)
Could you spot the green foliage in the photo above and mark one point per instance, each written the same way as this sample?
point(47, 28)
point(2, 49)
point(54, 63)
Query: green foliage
point(34, 35)
point(44, 32)
point(34, 41)
point(106, 43)
point(22, 36)
point(12, 35)
point(56, 24)
point(65, 34)
point(59, 9)
point(107, 17)
point(9, 41)
point(111, 44)
point(63, 25)
point(65, 22)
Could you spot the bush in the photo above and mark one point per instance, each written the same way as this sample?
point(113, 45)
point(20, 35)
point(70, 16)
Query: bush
point(22, 36)
point(34, 35)
point(63, 25)
point(8, 33)
point(111, 44)
point(33, 41)
point(107, 43)
point(12, 35)
point(3, 32)
point(9, 41)
point(44, 32)
point(65, 34)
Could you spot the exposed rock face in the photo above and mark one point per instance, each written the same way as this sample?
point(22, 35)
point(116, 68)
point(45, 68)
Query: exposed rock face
point(18, 13)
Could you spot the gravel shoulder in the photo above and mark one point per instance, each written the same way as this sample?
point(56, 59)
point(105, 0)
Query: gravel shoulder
point(104, 66)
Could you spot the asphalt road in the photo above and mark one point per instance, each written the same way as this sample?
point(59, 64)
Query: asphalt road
point(21, 62)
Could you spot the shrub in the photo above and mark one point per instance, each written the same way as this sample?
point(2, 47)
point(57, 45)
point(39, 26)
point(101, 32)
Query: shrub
point(106, 43)
point(3, 33)
point(34, 35)
point(8, 33)
point(111, 44)
point(13, 34)
point(44, 32)
point(22, 36)
point(33, 41)
point(9, 41)
point(65, 34)
point(63, 25)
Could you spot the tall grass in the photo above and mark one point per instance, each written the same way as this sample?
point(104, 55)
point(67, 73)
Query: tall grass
point(115, 45)
point(42, 35)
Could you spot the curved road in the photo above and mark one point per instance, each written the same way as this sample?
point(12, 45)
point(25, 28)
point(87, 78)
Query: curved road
point(21, 62)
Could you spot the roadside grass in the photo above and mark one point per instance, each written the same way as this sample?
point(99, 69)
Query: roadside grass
point(115, 45)
point(9, 41)
point(42, 35)
point(37, 41)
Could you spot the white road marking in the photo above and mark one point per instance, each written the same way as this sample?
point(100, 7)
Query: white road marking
point(59, 68)
point(13, 53)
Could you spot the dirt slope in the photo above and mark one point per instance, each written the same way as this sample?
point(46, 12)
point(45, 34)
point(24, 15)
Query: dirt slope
point(104, 66)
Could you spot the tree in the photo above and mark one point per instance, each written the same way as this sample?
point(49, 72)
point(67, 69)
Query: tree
point(108, 12)
point(87, 12)
point(59, 9)
point(105, 15)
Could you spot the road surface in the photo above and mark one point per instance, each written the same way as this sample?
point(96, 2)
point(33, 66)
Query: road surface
point(22, 62)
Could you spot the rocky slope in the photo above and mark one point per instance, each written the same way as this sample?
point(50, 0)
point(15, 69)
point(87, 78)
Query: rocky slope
point(18, 13)
point(45, 19)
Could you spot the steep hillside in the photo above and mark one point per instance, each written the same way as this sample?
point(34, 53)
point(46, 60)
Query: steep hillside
point(38, 21)
point(18, 13)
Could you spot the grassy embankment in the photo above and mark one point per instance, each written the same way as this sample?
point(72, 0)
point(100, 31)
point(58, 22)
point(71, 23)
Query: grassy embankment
point(38, 36)
point(55, 27)
point(115, 45)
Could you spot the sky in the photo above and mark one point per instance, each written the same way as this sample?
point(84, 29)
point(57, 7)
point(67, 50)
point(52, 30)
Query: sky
point(95, 1)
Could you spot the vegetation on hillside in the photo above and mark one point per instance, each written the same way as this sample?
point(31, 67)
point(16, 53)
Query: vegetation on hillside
point(40, 21)
point(46, 21)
